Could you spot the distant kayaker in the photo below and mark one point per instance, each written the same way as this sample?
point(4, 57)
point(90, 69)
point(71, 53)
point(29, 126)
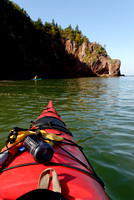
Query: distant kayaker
point(36, 77)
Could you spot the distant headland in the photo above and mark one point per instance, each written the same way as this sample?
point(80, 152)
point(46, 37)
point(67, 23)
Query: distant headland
point(30, 48)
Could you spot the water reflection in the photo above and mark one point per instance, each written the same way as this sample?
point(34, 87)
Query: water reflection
point(98, 111)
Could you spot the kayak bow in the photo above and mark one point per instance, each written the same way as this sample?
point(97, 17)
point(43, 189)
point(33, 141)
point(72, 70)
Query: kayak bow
point(21, 174)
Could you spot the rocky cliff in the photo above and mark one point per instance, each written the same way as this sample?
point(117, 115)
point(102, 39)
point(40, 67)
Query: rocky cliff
point(30, 48)
point(95, 58)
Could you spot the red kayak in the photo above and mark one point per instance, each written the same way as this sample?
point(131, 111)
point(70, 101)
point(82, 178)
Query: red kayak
point(62, 166)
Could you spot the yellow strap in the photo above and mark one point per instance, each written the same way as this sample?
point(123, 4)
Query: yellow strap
point(21, 136)
point(50, 136)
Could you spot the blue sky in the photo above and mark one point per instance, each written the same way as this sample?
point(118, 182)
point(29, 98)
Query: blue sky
point(107, 22)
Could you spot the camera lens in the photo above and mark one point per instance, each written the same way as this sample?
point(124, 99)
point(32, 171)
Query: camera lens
point(41, 151)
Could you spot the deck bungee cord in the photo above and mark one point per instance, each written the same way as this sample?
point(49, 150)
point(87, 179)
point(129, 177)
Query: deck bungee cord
point(47, 148)
point(57, 140)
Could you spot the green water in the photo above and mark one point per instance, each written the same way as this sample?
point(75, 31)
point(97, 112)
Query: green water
point(98, 111)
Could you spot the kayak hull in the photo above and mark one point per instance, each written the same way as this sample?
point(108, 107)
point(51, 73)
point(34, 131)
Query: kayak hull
point(22, 174)
point(37, 79)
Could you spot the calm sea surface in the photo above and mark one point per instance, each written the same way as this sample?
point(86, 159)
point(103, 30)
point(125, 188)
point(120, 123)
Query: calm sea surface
point(98, 111)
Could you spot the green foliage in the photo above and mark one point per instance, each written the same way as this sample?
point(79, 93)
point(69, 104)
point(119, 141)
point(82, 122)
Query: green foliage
point(53, 29)
point(47, 27)
point(93, 52)
point(38, 24)
point(68, 33)
point(88, 53)
point(31, 45)
point(85, 39)
point(17, 8)
point(99, 49)
point(74, 35)
point(56, 31)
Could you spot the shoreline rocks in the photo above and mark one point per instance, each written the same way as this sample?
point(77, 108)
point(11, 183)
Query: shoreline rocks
point(99, 63)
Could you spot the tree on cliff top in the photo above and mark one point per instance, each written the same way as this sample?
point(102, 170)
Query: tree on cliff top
point(32, 46)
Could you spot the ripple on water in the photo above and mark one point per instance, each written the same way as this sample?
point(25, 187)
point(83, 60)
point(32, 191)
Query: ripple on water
point(98, 111)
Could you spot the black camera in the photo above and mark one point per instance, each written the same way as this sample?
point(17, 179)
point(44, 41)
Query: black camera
point(41, 150)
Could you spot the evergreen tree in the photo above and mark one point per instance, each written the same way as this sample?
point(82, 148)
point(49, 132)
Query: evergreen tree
point(85, 39)
point(69, 33)
point(39, 24)
point(53, 23)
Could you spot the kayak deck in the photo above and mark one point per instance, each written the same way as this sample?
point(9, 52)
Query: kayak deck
point(76, 176)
